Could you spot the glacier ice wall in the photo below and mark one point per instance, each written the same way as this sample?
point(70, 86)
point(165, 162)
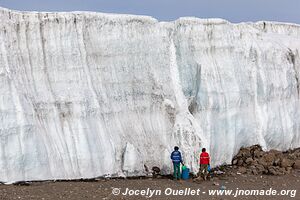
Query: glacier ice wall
point(88, 94)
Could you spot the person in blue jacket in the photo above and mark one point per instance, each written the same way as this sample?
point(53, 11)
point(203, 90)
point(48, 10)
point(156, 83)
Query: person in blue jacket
point(176, 159)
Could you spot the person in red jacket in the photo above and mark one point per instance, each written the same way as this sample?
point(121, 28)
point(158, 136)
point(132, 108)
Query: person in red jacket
point(204, 162)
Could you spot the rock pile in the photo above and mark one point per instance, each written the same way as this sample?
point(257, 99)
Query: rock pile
point(253, 160)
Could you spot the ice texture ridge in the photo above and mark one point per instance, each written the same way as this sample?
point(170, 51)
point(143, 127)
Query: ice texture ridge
point(89, 94)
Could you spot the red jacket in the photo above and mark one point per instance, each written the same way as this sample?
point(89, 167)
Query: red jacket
point(204, 158)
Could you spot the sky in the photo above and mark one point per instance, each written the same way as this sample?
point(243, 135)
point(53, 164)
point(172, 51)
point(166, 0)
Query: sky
point(168, 10)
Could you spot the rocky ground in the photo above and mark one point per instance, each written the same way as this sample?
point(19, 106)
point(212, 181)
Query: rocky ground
point(252, 169)
point(253, 160)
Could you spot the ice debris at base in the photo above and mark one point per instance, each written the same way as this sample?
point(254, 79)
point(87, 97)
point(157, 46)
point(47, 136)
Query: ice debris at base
point(89, 94)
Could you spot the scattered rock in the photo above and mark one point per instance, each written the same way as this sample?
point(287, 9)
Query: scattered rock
point(260, 168)
point(249, 161)
point(289, 170)
point(253, 160)
point(254, 172)
point(285, 162)
point(263, 162)
point(297, 164)
point(234, 162)
point(272, 170)
point(242, 170)
point(292, 156)
point(155, 172)
point(240, 162)
point(219, 172)
point(269, 157)
point(216, 183)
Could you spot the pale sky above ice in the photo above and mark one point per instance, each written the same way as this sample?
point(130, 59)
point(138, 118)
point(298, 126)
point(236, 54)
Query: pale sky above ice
point(167, 10)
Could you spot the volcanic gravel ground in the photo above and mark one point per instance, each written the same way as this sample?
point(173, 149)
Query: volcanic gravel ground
point(102, 189)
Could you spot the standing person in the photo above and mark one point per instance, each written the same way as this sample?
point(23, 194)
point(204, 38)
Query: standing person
point(176, 159)
point(204, 162)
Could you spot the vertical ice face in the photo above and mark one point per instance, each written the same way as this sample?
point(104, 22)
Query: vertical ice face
point(242, 81)
point(89, 94)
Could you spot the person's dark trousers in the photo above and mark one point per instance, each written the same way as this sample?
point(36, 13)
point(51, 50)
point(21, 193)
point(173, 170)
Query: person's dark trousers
point(176, 167)
point(203, 171)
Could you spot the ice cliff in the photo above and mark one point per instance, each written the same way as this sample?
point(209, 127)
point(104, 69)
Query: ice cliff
point(88, 94)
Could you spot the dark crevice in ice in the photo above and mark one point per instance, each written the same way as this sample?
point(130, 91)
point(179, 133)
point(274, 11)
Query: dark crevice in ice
point(291, 58)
